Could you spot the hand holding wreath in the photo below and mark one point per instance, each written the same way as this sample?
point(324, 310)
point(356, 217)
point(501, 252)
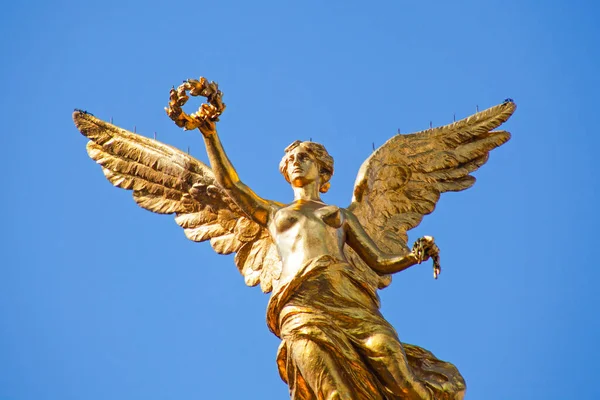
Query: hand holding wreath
point(207, 114)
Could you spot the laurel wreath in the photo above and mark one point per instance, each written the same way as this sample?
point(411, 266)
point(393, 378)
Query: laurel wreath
point(207, 112)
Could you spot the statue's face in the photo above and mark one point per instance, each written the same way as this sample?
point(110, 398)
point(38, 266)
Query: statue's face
point(302, 168)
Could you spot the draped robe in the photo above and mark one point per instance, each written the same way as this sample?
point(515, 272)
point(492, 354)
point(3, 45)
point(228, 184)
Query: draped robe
point(335, 306)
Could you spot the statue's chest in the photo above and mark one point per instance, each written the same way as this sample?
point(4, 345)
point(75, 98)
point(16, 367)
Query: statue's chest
point(308, 217)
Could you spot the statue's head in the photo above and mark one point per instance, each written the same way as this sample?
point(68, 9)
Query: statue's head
point(307, 161)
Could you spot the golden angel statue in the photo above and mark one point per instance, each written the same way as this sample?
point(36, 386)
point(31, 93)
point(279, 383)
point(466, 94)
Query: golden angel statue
point(322, 264)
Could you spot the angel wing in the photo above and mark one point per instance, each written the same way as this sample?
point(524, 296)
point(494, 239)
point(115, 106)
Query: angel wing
point(165, 180)
point(403, 179)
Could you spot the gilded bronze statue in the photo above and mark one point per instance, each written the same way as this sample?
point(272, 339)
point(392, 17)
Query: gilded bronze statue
point(323, 264)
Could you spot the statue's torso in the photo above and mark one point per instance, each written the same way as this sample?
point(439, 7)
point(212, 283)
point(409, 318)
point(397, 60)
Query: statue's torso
point(303, 231)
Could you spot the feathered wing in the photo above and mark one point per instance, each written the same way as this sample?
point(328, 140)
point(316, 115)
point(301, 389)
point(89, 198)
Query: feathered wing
point(165, 180)
point(403, 179)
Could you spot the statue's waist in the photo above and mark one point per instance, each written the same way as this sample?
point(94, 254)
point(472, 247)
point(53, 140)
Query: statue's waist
point(294, 265)
point(320, 268)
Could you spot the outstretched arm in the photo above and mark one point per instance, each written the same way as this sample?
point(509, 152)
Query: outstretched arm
point(205, 119)
point(381, 262)
point(256, 207)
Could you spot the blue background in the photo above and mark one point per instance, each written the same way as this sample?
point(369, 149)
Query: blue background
point(100, 299)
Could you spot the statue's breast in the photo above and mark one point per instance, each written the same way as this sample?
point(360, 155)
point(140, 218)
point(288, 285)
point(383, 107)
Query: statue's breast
point(285, 219)
point(331, 215)
point(288, 217)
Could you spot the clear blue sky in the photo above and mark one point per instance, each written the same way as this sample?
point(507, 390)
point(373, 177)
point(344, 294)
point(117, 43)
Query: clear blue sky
point(100, 299)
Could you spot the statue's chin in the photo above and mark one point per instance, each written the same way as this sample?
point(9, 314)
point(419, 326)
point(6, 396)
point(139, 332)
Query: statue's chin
point(299, 181)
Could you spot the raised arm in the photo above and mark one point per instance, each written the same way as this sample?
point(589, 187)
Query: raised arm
point(205, 119)
point(381, 262)
point(254, 206)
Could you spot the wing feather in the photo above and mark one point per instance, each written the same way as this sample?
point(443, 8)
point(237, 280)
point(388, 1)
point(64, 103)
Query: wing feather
point(205, 232)
point(402, 180)
point(165, 180)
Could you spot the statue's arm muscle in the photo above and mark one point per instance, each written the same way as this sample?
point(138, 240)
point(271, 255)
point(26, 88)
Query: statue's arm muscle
point(254, 206)
point(365, 247)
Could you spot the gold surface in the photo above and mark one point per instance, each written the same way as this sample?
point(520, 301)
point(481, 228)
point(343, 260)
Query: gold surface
point(323, 264)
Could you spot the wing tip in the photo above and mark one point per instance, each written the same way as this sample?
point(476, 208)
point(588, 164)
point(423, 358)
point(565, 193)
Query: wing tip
point(83, 119)
point(79, 111)
point(79, 114)
point(509, 105)
point(502, 112)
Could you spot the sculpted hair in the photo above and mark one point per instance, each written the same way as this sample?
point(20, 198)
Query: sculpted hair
point(321, 156)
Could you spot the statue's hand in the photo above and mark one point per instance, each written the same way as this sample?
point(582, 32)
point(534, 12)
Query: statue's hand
point(425, 248)
point(207, 115)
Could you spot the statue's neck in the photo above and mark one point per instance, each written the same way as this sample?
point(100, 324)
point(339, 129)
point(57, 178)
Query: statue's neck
point(307, 192)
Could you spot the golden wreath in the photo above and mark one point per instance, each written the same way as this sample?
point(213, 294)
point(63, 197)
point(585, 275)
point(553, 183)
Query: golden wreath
point(207, 112)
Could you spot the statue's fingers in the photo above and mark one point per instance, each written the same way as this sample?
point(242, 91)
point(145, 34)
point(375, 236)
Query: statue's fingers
point(191, 124)
point(180, 122)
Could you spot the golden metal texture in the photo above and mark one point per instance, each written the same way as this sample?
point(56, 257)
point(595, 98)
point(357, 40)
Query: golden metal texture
point(323, 264)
